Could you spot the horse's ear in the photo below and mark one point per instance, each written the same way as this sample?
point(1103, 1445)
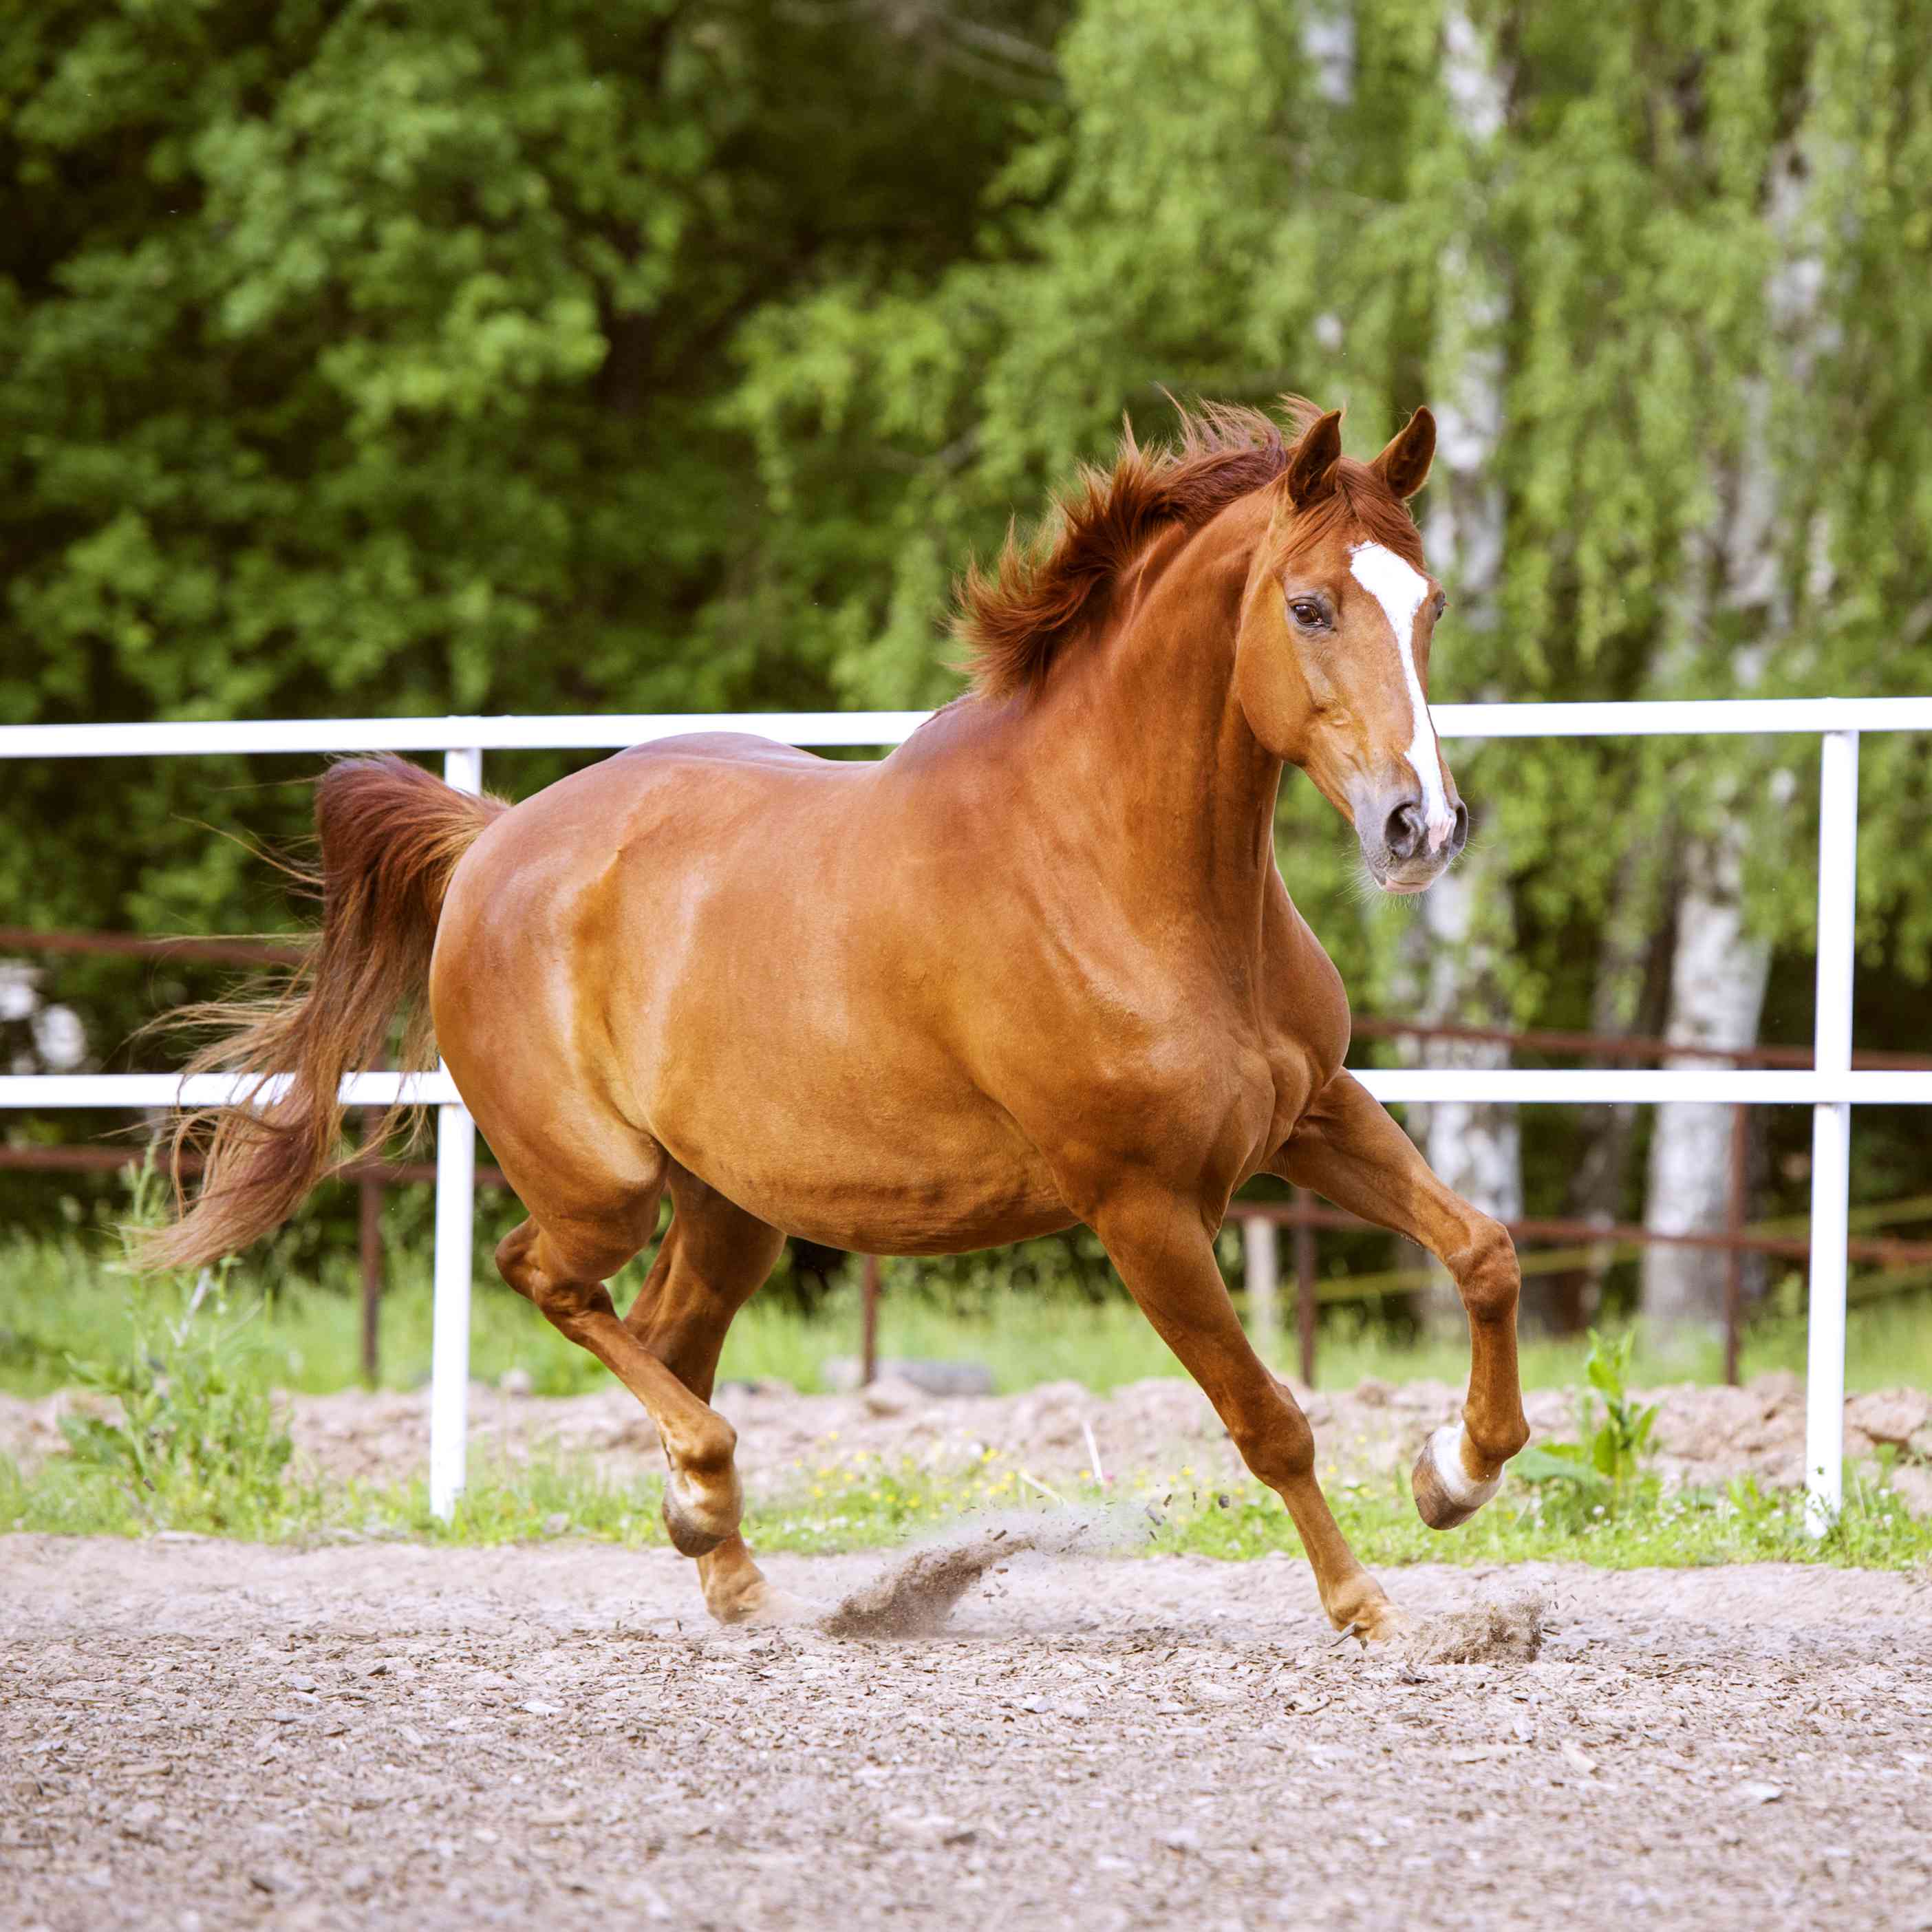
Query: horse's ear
point(1310, 474)
point(1404, 465)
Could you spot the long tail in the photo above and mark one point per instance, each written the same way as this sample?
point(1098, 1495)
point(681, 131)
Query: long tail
point(390, 836)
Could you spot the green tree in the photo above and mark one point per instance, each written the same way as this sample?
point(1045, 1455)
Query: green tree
point(415, 356)
point(1376, 204)
point(370, 357)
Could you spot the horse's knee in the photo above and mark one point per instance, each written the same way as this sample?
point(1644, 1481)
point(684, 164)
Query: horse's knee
point(1278, 1446)
point(576, 1309)
point(709, 1446)
point(1487, 1277)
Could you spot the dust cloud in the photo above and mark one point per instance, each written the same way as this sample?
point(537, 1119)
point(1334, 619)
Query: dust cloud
point(916, 1595)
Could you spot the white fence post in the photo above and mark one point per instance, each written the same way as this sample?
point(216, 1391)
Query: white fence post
point(455, 1240)
point(1832, 1131)
point(1262, 1278)
point(1831, 1089)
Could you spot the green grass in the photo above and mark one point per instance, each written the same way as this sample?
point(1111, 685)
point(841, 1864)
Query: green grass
point(61, 1300)
point(201, 1449)
point(864, 1504)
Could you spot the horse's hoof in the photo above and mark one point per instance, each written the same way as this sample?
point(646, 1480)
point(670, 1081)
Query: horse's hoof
point(760, 1606)
point(693, 1532)
point(1362, 1610)
point(1378, 1624)
point(1446, 1494)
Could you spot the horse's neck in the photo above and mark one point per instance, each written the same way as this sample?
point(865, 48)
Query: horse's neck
point(1137, 738)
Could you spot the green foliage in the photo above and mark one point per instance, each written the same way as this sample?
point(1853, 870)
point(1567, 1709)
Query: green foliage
point(862, 1503)
point(529, 1503)
point(302, 1333)
point(190, 1435)
point(194, 1441)
point(370, 359)
point(1602, 1471)
point(1754, 1505)
point(1685, 1529)
point(383, 358)
point(1196, 215)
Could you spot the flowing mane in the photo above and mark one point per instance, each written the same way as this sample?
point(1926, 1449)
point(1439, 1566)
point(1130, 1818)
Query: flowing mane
point(1015, 618)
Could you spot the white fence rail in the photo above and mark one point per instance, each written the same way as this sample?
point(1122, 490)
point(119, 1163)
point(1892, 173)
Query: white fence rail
point(1831, 1090)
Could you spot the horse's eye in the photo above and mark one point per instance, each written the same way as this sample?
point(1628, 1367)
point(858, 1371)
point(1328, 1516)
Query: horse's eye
point(1306, 610)
point(1442, 603)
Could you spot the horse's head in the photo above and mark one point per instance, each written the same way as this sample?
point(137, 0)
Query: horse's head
point(1332, 661)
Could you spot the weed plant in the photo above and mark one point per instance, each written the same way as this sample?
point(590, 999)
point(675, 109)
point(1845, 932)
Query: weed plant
point(1602, 1473)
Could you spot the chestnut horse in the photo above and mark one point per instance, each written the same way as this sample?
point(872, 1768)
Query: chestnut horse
point(1039, 968)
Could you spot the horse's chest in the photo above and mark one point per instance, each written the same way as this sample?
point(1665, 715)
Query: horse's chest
point(1189, 1094)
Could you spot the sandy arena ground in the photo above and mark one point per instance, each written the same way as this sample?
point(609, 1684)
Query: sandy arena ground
point(197, 1735)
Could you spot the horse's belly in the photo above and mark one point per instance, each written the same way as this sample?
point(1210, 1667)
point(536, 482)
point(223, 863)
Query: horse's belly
point(910, 1228)
point(872, 1186)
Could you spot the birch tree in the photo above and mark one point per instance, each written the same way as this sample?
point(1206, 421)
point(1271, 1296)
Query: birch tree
point(1743, 607)
point(1463, 931)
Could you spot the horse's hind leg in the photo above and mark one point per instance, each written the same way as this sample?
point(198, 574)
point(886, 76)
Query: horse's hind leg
point(713, 1259)
point(1347, 1147)
point(561, 1263)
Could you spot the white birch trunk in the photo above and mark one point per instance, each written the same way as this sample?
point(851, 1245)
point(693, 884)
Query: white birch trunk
point(1476, 1149)
point(1719, 968)
point(1624, 957)
point(1463, 931)
point(1717, 977)
point(1328, 43)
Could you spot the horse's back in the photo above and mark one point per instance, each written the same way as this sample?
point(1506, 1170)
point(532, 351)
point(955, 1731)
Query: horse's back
point(656, 807)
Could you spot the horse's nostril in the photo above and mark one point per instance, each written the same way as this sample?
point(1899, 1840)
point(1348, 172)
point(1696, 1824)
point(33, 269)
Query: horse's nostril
point(1403, 835)
point(1458, 836)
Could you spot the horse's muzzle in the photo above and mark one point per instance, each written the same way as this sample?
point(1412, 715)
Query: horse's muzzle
point(1397, 843)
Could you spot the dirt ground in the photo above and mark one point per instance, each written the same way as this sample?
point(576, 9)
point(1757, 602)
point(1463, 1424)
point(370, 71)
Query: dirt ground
point(1703, 1435)
point(197, 1735)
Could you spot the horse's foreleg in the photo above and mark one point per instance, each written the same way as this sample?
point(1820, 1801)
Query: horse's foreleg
point(1166, 1258)
point(564, 1275)
point(1348, 1148)
point(714, 1258)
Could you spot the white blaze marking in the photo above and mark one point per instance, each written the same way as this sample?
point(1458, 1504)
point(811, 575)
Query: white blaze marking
point(1399, 589)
